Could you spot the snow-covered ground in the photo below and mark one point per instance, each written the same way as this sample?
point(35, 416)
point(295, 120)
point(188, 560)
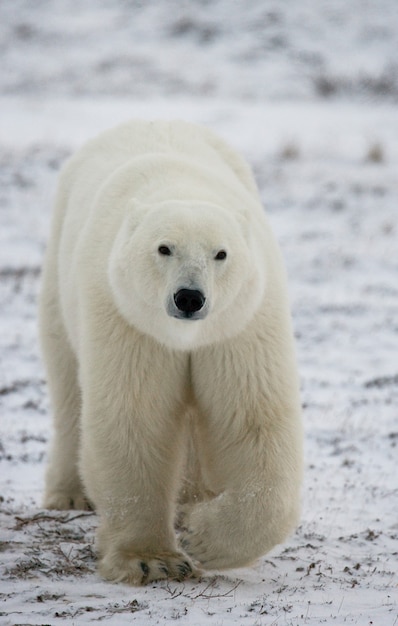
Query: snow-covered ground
point(308, 93)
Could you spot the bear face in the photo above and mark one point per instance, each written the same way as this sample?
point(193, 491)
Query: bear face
point(186, 273)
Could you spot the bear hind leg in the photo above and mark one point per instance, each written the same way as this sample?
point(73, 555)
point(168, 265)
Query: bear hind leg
point(64, 489)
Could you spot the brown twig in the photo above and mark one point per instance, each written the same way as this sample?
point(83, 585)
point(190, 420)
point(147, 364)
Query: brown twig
point(44, 517)
point(212, 583)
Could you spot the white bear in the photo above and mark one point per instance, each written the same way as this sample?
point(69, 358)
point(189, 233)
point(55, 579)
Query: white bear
point(167, 339)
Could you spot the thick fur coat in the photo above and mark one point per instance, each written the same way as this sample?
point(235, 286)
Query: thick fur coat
point(167, 338)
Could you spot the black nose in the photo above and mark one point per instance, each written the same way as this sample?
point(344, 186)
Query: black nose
point(189, 300)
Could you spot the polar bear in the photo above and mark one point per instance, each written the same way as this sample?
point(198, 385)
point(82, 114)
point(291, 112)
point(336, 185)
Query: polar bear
point(168, 345)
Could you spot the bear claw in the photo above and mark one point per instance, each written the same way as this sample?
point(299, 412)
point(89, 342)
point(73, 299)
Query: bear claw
point(185, 569)
point(145, 569)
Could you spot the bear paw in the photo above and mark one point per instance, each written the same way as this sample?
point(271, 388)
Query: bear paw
point(141, 569)
point(203, 539)
point(197, 546)
point(64, 501)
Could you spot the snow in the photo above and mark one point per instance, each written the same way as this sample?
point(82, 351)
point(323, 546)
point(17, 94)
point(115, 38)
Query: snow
point(307, 92)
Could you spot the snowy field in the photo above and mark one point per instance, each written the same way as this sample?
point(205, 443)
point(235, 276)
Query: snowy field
point(308, 92)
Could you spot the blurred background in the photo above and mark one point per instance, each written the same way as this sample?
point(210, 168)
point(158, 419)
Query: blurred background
point(253, 49)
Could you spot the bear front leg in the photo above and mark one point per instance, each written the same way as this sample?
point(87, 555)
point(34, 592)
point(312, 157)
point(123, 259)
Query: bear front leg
point(250, 437)
point(132, 451)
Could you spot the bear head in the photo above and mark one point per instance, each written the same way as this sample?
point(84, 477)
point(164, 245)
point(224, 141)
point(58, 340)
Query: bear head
point(187, 273)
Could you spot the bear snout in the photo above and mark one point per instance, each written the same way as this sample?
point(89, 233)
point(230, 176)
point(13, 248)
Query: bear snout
point(189, 301)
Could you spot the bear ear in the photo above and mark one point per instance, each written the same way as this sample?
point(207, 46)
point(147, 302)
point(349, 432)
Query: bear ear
point(244, 222)
point(136, 210)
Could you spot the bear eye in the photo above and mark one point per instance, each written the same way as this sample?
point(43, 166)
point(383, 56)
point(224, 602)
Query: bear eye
point(164, 250)
point(221, 255)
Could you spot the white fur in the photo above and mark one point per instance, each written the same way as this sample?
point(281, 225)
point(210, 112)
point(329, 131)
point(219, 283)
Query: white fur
point(156, 415)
